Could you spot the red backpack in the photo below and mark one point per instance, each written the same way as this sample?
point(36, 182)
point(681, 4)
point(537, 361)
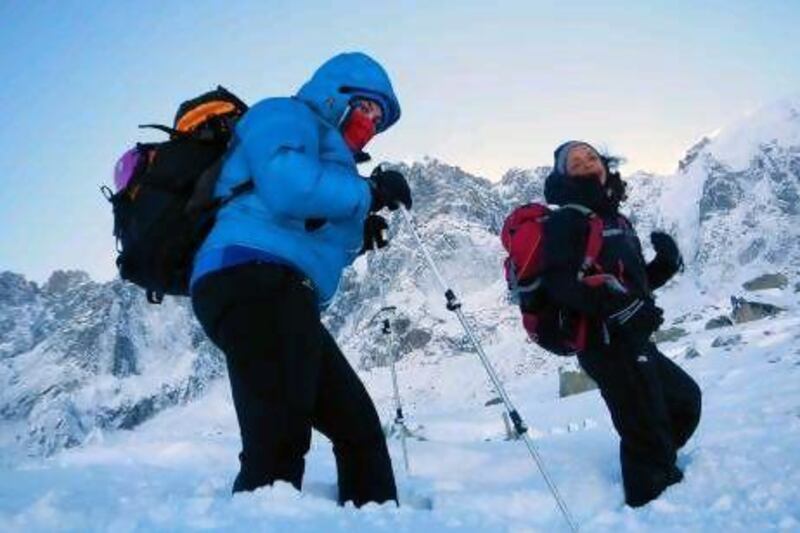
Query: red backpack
point(554, 329)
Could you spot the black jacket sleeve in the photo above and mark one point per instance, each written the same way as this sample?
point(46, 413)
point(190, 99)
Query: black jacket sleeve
point(659, 271)
point(565, 236)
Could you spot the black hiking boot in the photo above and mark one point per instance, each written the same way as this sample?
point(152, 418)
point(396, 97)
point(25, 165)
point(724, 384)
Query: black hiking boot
point(652, 490)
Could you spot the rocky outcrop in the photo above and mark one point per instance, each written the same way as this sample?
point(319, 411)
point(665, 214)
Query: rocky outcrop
point(725, 341)
point(747, 311)
point(766, 281)
point(572, 382)
point(76, 356)
point(721, 321)
point(669, 335)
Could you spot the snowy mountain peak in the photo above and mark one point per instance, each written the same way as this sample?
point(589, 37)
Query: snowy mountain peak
point(736, 145)
point(76, 356)
point(735, 201)
point(15, 289)
point(692, 153)
point(522, 185)
point(62, 281)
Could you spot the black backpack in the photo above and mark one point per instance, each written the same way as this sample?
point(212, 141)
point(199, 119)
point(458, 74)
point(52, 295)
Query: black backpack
point(164, 205)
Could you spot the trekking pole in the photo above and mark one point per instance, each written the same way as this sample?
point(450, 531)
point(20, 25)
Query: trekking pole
point(454, 305)
point(399, 419)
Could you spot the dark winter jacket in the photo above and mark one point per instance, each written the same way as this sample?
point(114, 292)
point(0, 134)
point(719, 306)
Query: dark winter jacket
point(566, 234)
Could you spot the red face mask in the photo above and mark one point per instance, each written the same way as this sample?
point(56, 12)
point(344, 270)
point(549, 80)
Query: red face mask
point(358, 128)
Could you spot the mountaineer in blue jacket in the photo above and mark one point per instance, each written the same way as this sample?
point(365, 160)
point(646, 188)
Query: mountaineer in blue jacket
point(273, 261)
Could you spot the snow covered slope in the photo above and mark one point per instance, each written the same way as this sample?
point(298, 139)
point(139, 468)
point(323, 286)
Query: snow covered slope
point(77, 355)
point(174, 472)
point(80, 361)
point(735, 201)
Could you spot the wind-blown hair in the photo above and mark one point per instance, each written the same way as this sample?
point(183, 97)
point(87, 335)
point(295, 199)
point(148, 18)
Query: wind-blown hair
point(614, 181)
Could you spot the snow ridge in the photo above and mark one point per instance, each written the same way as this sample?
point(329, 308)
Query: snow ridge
point(77, 357)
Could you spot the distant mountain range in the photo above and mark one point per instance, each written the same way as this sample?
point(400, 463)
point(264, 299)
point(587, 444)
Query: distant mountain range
point(77, 356)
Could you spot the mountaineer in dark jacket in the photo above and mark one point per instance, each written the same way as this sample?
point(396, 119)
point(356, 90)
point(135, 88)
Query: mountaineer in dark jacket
point(654, 404)
point(273, 261)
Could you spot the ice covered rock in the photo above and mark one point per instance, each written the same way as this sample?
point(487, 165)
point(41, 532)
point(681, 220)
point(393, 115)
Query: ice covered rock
point(724, 341)
point(692, 353)
point(766, 281)
point(721, 321)
point(572, 382)
point(669, 335)
point(747, 311)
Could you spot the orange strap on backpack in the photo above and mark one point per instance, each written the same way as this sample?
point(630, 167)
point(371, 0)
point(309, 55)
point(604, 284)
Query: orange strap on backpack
point(196, 116)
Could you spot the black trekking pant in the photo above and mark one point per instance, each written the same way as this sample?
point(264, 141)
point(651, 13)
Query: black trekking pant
point(288, 375)
point(655, 407)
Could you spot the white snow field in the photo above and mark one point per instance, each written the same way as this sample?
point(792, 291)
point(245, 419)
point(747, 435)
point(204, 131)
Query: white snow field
point(173, 473)
point(733, 206)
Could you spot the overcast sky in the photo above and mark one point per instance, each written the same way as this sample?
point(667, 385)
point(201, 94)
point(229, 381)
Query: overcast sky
point(484, 85)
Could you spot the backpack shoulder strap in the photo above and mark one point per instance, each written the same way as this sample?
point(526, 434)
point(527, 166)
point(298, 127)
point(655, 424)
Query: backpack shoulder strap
point(246, 186)
point(579, 208)
point(198, 135)
point(240, 189)
point(594, 242)
point(202, 197)
point(172, 132)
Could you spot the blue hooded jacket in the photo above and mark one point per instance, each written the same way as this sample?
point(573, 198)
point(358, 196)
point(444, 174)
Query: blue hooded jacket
point(302, 169)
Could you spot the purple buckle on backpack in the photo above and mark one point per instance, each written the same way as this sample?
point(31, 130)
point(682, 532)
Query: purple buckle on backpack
point(127, 166)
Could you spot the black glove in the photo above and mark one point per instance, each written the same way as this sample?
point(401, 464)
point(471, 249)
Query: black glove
point(389, 189)
point(376, 232)
point(636, 319)
point(666, 249)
